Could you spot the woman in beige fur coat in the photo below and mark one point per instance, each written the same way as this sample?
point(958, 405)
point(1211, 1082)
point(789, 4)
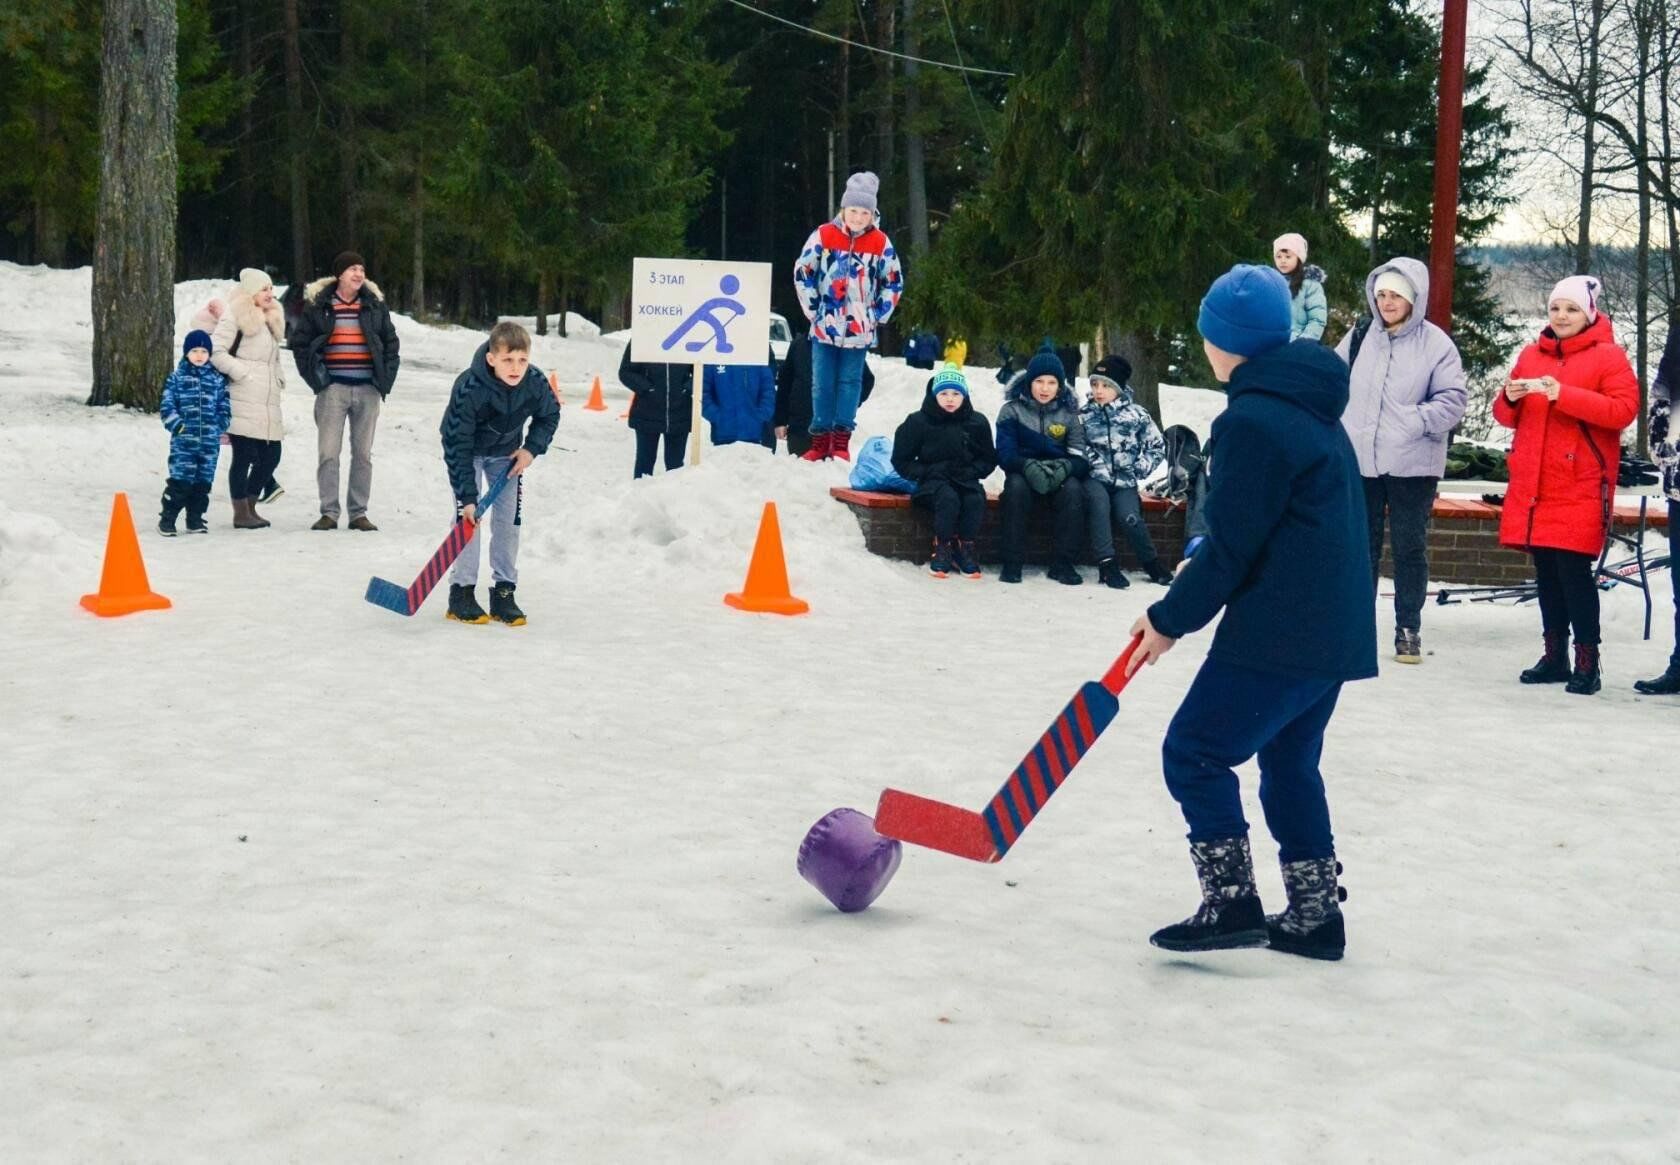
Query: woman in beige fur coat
point(247, 350)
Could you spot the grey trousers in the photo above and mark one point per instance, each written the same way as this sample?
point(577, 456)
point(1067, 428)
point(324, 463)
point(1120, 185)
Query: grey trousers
point(1107, 504)
point(335, 404)
point(503, 529)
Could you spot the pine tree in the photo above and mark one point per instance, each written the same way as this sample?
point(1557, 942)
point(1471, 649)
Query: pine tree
point(1383, 121)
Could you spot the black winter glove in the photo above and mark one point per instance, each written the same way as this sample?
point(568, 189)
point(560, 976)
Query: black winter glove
point(1081, 468)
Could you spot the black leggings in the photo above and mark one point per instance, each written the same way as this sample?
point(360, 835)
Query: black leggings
point(957, 510)
point(254, 462)
point(1568, 593)
point(647, 447)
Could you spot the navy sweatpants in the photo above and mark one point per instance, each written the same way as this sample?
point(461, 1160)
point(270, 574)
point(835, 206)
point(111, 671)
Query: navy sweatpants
point(1232, 713)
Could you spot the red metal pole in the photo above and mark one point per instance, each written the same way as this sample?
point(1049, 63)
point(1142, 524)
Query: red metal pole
point(1449, 138)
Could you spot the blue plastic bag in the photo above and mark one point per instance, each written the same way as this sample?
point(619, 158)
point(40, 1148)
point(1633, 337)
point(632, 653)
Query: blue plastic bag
point(873, 469)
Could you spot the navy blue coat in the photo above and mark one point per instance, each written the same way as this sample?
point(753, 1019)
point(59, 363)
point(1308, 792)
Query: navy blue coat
point(1287, 553)
point(738, 400)
point(486, 418)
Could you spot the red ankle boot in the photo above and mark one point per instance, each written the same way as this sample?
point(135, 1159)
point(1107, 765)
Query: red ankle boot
point(840, 444)
point(821, 445)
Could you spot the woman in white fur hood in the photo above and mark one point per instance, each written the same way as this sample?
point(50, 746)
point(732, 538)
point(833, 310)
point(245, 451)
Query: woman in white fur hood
point(247, 350)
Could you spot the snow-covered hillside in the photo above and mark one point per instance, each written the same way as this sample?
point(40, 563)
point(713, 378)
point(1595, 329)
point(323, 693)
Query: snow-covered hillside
point(286, 877)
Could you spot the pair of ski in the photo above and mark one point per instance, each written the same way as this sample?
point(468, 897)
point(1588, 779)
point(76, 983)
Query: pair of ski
point(407, 600)
point(987, 835)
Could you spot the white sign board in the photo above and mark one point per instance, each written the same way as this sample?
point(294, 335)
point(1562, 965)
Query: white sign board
point(698, 311)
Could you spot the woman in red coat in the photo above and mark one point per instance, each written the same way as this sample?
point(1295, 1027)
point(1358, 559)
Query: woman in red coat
point(1569, 398)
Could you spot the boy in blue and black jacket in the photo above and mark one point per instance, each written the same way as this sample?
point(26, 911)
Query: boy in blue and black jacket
point(1287, 558)
point(484, 432)
point(196, 410)
point(1041, 446)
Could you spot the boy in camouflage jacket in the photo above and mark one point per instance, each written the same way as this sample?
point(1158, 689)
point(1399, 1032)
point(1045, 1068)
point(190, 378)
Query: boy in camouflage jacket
point(1124, 446)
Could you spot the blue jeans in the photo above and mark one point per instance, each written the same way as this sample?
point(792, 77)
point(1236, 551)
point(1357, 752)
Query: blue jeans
point(1230, 714)
point(836, 385)
point(502, 528)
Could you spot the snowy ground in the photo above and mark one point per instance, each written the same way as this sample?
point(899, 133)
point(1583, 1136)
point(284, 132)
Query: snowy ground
point(286, 877)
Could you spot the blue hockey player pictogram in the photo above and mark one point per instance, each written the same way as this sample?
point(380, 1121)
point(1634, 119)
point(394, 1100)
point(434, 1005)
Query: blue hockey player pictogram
point(705, 314)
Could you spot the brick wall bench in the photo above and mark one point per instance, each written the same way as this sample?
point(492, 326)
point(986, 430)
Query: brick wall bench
point(1464, 545)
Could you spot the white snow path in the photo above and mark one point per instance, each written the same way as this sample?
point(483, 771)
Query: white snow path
point(286, 877)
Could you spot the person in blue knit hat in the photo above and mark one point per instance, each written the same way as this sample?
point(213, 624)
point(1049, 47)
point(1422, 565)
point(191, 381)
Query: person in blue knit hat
point(1287, 558)
point(197, 410)
point(945, 448)
point(1041, 446)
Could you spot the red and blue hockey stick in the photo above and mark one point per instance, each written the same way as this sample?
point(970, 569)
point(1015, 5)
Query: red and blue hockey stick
point(986, 836)
point(405, 602)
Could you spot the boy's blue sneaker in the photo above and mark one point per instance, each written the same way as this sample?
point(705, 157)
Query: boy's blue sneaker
point(939, 566)
point(962, 557)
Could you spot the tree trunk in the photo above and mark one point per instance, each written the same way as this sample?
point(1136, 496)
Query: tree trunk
point(347, 130)
point(543, 282)
point(1666, 48)
point(886, 127)
point(1139, 351)
point(51, 246)
point(844, 146)
point(1589, 143)
point(295, 133)
point(1644, 21)
point(915, 159)
point(1376, 206)
point(245, 238)
point(417, 209)
point(134, 251)
point(563, 293)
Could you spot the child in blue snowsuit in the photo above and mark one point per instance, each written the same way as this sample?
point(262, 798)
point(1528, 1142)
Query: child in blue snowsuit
point(197, 411)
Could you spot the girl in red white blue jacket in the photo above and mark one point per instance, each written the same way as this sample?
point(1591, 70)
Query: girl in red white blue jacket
point(849, 282)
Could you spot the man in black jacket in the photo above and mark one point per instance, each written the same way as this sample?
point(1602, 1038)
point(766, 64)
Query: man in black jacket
point(793, 396)
point(346, 351)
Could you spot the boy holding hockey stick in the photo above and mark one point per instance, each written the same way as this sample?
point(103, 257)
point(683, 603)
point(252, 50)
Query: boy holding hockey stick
point(1286, 555)
point(484, 429)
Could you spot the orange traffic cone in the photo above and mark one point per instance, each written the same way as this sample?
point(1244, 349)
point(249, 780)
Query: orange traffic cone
point(123, 587)
point(766, 588)
point(554, 387)
point(595, 404)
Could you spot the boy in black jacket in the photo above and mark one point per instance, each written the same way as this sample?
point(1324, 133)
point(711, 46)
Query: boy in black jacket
point(945, 447)
point(1287, 558)
point(664, 407)
point(483, 432)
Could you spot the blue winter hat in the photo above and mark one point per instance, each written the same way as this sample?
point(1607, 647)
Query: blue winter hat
point(1045, 362)
point(1247, 311)
point(196, 339)
point(948, 377)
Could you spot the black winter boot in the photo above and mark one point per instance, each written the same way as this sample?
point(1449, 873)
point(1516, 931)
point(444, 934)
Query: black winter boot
point(198, 504)
point(1312, 926)
point(1585, 680)
point(463, 606)
point(1064, 573)
point(1110, 574)
point(1230, 915)
point(1158, 573)
point(1553, 667)
point(502, 607)
point(1667, 684)
point(1011, 573)
point(939, 565)
point(174, 498)
point(963, 558)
